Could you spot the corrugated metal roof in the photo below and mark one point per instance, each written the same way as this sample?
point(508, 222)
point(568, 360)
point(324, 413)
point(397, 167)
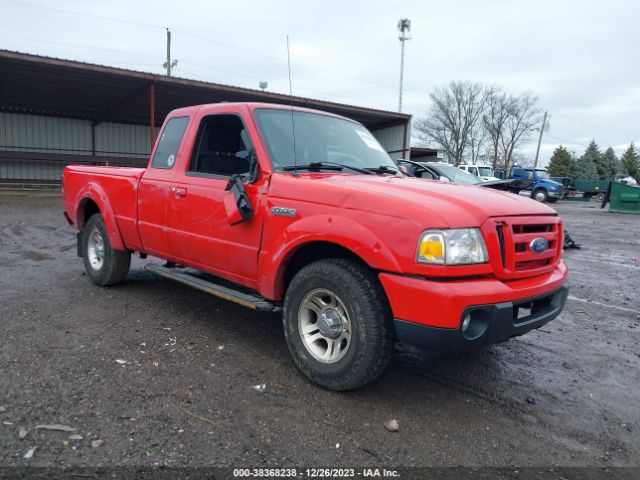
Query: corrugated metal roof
point(53, 86)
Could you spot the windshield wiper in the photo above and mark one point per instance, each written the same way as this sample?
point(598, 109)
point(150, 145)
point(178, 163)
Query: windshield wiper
point(325, 166)
point(382, 169)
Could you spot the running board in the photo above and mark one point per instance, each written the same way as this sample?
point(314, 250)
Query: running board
point(245, 299)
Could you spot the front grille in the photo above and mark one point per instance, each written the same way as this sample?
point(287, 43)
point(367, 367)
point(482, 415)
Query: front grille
point(501, 243)
point(514, 237)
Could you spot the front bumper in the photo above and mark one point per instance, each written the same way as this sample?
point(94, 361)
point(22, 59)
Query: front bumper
point(498, 322)
point(417, 302)
point(555, 194)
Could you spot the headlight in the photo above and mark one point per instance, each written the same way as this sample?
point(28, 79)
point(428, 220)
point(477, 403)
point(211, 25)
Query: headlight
point(452, 247)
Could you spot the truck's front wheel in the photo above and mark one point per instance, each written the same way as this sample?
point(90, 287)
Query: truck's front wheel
point(540, 195)
point(104, 265)
point(337, 323)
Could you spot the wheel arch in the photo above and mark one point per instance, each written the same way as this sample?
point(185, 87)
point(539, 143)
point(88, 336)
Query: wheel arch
point(331, 235)
point(310, 252)
point(92, 200)
point(86, 208)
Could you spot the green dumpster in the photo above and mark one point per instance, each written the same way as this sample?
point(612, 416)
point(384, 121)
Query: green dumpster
point(624, 198)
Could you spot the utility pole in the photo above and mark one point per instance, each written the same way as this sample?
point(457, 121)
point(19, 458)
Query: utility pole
point(169, 65)
point(404, 26)
point(544, 124)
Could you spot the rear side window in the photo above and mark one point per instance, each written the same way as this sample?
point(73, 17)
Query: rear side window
point(169, 143)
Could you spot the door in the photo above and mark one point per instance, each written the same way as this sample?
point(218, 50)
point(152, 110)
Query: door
point(199, 232)
point(154, 187)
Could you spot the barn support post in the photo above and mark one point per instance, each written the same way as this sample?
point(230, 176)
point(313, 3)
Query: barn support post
point(404, 140)
point(152, 114)
point(93, 139)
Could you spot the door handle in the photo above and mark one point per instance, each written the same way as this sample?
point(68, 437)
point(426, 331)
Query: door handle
point(179, 192)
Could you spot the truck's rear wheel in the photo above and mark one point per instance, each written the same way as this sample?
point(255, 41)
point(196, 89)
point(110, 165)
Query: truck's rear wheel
point(104, 265)
point(540, 195)
point(337, 323)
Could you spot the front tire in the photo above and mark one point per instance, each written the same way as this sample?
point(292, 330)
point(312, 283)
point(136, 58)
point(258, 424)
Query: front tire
point(540, 195)
point(104, 265)
point(337, 324)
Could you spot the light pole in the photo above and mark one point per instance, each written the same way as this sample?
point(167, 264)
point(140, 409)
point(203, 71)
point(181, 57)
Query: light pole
point(169, 65)
point(404, 27)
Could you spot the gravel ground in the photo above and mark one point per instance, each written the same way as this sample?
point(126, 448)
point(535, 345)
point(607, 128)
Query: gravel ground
point(567, 394)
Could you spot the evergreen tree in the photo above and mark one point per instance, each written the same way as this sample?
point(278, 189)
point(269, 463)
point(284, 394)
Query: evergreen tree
point(588, 165)
point(612, 166)
point(631, 162)
point(561, 163)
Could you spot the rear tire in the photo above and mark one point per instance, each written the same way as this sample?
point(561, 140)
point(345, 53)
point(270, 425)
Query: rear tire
point(338, 324)
point(104, 265)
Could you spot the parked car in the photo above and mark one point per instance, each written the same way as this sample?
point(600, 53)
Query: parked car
point(445, 172)
point(321, 227)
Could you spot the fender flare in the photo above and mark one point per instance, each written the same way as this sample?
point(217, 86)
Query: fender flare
point(341, 231)
point(93, 191)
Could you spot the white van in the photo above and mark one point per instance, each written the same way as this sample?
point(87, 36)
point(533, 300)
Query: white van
point(483, 172)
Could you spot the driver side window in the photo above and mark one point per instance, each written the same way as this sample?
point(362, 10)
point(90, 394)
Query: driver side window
point(222, 147)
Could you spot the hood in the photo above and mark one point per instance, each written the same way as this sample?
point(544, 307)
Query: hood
point(429, 202)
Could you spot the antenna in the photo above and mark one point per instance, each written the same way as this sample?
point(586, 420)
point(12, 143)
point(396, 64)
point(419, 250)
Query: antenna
point(293, 123)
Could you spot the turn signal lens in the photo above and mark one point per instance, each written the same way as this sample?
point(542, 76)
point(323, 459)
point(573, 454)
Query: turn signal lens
point(431, 248)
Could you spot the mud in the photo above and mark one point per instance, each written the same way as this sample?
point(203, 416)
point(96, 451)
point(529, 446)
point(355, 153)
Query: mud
point(567, 394)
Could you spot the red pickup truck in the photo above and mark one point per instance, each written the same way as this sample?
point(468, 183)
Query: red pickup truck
point(301, 211)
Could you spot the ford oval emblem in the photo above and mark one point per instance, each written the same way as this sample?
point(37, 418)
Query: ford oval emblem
point(539, 245)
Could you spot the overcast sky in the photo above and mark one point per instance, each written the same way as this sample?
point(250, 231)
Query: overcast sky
point(579, 57)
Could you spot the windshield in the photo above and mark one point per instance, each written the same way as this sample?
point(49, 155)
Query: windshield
point(456, 175)
point(318, 138)
point(486, 171)
point(542, 174)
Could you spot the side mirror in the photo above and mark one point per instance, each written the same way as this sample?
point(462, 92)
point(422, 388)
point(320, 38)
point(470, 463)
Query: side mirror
point(253, 166)
point(236, 203)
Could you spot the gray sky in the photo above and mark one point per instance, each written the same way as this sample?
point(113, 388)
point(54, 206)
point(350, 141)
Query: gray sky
point(580, 57)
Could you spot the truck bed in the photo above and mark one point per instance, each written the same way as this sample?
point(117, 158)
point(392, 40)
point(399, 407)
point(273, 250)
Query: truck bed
point(113, 189)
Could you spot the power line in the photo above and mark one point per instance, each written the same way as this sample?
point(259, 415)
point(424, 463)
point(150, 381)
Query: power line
point(77, 45)
point(200, 65)
point(278, 59)
point(569, 142)
point(198, 37)
point(81, 14)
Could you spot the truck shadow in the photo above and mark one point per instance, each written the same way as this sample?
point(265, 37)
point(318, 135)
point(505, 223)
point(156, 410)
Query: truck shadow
point(260, 337)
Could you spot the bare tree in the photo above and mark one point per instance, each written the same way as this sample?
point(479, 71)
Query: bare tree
point(523, 116)
point(495, 117)
point(456, 110)
point(477, 142)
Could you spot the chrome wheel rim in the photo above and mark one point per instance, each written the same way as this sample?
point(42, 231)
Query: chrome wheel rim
point(540, 196)
point(95, 249)
point(324, 326)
